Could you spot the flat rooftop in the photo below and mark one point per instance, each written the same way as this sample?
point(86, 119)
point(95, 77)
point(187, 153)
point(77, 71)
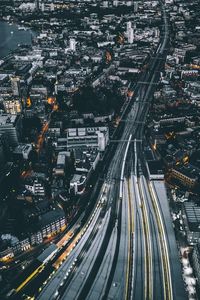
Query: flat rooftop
point(7, 119)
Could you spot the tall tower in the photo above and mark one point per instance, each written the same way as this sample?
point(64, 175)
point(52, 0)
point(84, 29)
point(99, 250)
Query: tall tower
point(72, 44)
point(128, 26)
point(130, 33)
point(42, 7)
point(52, 6)
point(37, 5)
point(135, 6)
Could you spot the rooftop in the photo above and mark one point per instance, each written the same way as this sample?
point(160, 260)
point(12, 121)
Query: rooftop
point(7, 119)
point(192, 212)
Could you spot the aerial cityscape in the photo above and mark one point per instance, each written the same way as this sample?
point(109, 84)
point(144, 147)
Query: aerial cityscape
point(100, 149)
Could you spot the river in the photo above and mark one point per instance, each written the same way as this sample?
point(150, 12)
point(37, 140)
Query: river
point(11, 36)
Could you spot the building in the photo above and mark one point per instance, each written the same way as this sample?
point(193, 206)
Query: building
point(12, 107)
point(128, 3)
point(72, 44)
point(12, 127)
point(55, 129)
point(60, 145)
point(191, 221)
point(6, 254)
point(37, 188)
point(92, 137)
point(47, 254)
point(50, 223)
point(43, 7)
point(37, 5)
point(61, 163)
point(86, 159)
point(135, 6)
point(15, 84)
point(52, 7)
point(185, 178)
point(22, 151)
point(130, 33)
point(105, 4)
point(77, 184)
point(11, 245)
point(196, 263)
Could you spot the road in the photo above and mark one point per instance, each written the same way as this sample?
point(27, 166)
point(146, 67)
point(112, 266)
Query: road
point(123, 252)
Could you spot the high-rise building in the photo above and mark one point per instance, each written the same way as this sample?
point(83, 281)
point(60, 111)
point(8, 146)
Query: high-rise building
point(130, 33)
point(42, 7)
point(157, 32)
point(37, 5)
point(72, 44)
point(128, 26)
point(15, 84)
point(52, 7)
point(135, 6)
point(11, 126)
